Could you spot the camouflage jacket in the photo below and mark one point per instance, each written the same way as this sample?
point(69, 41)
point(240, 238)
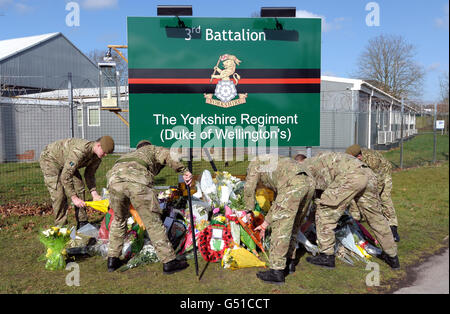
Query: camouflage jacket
point(325, 167)
point(376, 161)
point(274, 174)
point(142, 165)
point(71, 154)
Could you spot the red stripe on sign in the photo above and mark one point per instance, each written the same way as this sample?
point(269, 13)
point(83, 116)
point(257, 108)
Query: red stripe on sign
point(215, 81)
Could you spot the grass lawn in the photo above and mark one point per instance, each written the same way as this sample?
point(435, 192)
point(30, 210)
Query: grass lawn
point(420, 195)
point(419, 151)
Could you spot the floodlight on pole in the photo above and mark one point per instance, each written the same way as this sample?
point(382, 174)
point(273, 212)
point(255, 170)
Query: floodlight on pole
point(108, 56)
point(175, 10)
point(184, 10)
point(278, 12)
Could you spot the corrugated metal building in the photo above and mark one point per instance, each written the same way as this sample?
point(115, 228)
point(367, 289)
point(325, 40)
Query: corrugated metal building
point(42, 63)
point(36, 69)
point(354, 111)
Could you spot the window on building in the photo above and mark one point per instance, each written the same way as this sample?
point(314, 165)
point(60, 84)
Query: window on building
point(80, 116)
point(94, 116)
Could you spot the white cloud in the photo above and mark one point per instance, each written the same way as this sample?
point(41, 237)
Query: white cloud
point(5, 3)
point(23, 8)
point(20, 7)
point(442, 22)
point(434, 66)
point(326, 26)
point(99, 4)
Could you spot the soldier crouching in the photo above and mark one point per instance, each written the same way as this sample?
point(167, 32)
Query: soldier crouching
point(343, 178)
point(131, 181)
point(61, 162)
point(294, 188)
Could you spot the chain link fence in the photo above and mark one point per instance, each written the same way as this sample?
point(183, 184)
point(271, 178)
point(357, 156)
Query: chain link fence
point(31, 119)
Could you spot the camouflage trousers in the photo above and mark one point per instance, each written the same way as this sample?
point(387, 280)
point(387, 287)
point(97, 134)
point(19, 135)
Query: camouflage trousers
point(52, 174)
point(387, 206)
point(288, 210)
point(361, 185)
point(386, 201)
point(144, 200)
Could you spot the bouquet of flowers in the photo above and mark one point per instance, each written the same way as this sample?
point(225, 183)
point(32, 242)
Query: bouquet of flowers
point(55, 240)
point(145, 256)
point(220, 191)
point(238, 257)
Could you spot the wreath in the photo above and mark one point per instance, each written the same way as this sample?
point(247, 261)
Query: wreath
point(213, 241)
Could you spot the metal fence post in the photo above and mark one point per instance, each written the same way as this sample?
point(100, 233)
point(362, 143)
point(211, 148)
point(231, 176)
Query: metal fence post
point(401, 136)
point(70, 90)
point(434, 131)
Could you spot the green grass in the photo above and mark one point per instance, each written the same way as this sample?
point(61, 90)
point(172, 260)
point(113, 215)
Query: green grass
point(419, 151)
point(421, 197)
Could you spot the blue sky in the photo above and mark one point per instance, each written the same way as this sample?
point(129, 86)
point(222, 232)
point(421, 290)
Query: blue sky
point(345, 33)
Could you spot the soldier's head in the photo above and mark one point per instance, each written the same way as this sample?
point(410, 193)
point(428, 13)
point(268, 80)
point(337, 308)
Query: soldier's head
point(300, 157)
point(103, 146)
point(354, 150)
point(143, 143)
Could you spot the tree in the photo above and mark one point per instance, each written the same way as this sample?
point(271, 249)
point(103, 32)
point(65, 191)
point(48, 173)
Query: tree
point(388, 63)
point(121, 65)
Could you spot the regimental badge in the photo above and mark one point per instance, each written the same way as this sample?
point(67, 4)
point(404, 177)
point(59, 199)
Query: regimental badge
point(225, 91)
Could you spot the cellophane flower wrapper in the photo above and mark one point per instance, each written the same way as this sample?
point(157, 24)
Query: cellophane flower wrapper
point(238, 257)
point(146, 255)
point(55, 240)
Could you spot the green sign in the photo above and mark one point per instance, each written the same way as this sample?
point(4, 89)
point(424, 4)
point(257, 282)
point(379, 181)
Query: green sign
point(224, 82)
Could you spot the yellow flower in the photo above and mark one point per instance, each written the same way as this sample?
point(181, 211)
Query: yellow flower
point(222, 219)
point(49, 252)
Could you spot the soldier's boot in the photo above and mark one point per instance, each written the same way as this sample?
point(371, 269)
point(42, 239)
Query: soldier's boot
point(395, 233)
point(290, 267)
point(323, 260)
point(393, 262)
point(272, 276)
point(114, 263)
point(174, 266)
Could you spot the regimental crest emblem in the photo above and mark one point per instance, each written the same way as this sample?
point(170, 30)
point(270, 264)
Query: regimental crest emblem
point(226, 91)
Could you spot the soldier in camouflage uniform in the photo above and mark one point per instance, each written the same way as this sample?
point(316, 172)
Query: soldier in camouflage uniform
point(343, 178)
point(60, 163)
point(382, 169)
point(294, 188)
point(130, 181)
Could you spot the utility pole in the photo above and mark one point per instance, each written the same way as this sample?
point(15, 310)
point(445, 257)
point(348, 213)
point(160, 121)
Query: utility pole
point(434, 131)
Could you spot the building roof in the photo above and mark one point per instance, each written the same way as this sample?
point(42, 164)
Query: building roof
point(358, 85)
point(10, 47)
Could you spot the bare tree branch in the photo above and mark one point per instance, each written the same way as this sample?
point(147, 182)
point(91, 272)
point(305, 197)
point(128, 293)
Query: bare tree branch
point(388, 62)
